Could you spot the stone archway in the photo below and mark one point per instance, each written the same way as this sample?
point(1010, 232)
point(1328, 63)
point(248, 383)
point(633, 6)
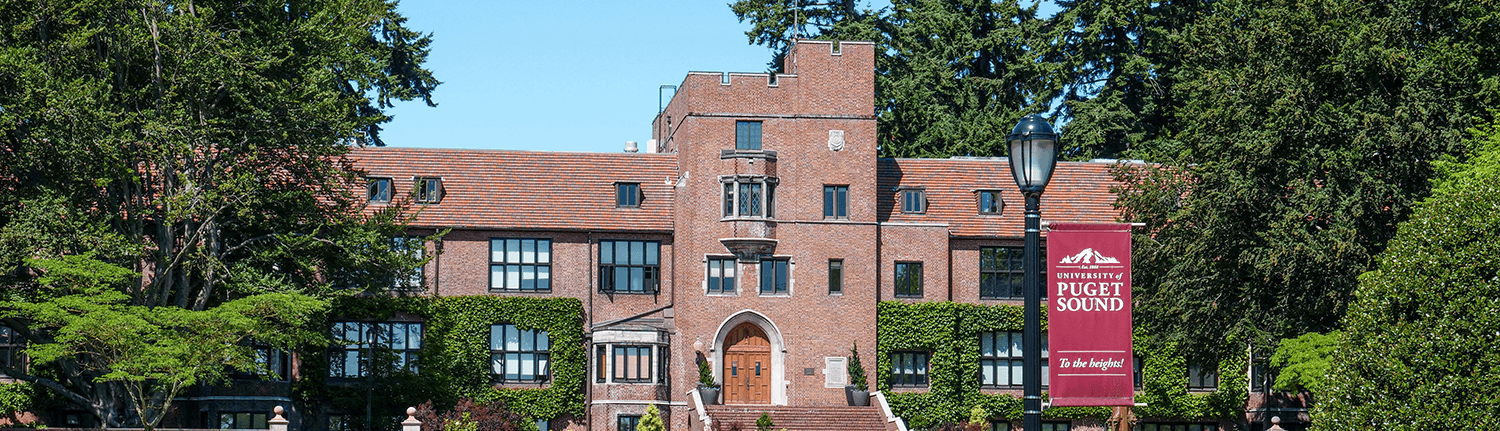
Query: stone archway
point(743, 340)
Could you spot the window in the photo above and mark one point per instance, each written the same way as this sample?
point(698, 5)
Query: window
point(243, 421)
point(11, 347)
point(1002, 272)
point(663, 370)
point(340, 423)
point(632, 364)
point(721, 275)
point(397, 344)
point(909, 279)
point(1201, 377)
point(1136, 361)
point(835, 276)
point(275, 362)
point(753, 196)
point(750, 199)
point(629, 266)
point(913, 201)
point(379, 190)
point(990, 203)
point(415, 249)
point(773, 276)
point(1000, 360)
point(909, 369)
point(521, 264)
point(836, 202)
point(999, 426)
point(628, 195)
point(429, 190)
point(747, 135)
point(1148, 426)
point(1057, 426)
point(628, 423)
point(518, 355)
point(599, 363)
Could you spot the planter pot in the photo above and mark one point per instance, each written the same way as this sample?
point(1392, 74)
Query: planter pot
point(709, 396)
point(856, 397)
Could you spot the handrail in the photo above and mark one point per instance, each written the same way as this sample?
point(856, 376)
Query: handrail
point(703, 414)
point(885, 407)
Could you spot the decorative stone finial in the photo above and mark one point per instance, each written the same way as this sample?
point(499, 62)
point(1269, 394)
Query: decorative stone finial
point(277, 423)
point(1275, 420)
point(411, 423)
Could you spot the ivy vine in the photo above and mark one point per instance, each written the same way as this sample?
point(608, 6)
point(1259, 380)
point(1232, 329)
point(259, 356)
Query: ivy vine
point(455, 355)
point(17, 397)
point(950, 332)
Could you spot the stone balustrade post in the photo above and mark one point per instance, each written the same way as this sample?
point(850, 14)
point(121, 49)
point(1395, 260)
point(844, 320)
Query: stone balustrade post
point(278, 423)
point(411, 423)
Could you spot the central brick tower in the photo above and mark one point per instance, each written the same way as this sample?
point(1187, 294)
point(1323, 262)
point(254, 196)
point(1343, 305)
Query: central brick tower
point(775, 225)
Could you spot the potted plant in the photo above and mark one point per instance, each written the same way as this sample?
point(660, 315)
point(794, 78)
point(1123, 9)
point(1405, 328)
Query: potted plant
point(708, 391)
point(857, 392)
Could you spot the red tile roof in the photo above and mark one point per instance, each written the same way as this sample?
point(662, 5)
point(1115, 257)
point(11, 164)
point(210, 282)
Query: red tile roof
point(503, 189)
point(1078, 193)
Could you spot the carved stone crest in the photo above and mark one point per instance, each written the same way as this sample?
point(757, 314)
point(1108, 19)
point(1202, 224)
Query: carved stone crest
point(835, 140)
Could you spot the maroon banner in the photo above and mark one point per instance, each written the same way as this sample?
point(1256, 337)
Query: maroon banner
point(1088, 315)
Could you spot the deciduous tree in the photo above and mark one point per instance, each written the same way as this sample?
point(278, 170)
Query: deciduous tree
point(200, 145)
point(1418, 350)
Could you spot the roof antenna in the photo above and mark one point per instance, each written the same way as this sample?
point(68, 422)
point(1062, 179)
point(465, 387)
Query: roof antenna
point(796, 18)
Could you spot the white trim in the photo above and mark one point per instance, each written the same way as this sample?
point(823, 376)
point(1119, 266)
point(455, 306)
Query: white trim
point(698, 405)
point(832, 364)
point(885, 407)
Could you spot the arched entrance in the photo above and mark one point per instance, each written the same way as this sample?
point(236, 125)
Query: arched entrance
point(747, 365)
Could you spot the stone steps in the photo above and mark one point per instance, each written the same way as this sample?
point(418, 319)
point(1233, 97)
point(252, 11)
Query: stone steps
point(830, 418)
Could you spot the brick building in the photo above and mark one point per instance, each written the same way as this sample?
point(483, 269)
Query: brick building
point(758, 231)
point(760, 225)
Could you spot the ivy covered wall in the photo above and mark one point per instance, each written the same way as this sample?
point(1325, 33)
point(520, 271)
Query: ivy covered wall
point(455, 356)
point(950, 331)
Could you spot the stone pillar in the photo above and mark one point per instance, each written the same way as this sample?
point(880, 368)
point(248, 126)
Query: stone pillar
point(411, 423)
point(1276, 424)
point(278, 423)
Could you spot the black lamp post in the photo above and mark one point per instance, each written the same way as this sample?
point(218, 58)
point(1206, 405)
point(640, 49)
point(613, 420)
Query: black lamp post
point(1033, 154)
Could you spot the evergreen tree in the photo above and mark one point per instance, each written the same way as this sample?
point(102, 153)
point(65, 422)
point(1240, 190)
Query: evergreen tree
point(1302, 138)
point(652, 420)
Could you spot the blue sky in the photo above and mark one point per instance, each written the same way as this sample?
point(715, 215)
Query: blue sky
point(577, 75)
point(561, 76)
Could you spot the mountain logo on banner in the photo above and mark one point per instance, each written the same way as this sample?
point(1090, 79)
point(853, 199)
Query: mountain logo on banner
point(1088, 256)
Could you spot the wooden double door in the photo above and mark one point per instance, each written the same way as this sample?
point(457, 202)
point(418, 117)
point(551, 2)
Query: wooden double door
point(747, 366)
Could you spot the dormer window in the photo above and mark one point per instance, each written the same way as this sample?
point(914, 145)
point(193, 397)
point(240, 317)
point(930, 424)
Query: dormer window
point(379, 190)
point(429, 190)
point(628, 195)
point(990, 203)
point(747, 135)
point(913, 201)
point(749, 196)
